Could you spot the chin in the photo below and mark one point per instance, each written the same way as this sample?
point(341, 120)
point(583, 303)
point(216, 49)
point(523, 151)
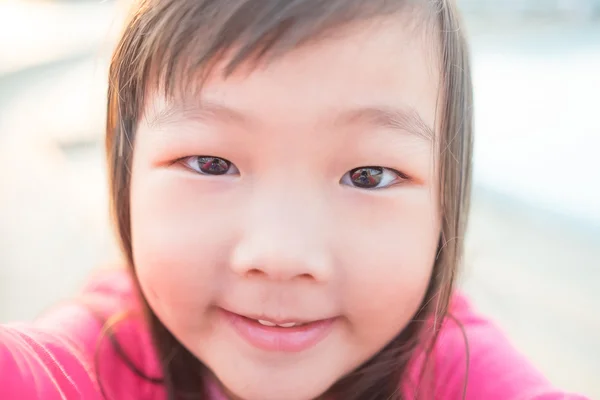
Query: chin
point(272, 392)
point(272, 388)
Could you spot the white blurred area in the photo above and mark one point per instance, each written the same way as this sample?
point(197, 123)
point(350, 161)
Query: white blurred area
point(533, 259)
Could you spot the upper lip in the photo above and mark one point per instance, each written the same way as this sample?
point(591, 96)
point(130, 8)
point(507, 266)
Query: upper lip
point(276, 320)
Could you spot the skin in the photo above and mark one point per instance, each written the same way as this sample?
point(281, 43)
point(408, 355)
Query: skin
point(286, 233)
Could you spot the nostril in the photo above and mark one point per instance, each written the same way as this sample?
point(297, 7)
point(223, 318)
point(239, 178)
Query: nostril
point(254, 272)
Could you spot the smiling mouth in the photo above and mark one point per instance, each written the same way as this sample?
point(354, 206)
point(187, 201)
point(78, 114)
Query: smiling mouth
point(281, 336)
point(285, 325)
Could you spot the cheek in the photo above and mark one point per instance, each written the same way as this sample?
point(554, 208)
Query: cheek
point(390, 263)
point(180, 240)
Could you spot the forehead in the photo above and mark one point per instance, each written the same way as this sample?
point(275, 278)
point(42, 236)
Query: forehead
point(384, 64)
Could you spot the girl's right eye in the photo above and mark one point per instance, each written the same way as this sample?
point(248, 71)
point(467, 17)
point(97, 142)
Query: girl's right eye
point(209, 165)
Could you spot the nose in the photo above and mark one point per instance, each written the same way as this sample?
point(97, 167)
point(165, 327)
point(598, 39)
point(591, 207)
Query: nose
point(281, 244)
point(271, 259)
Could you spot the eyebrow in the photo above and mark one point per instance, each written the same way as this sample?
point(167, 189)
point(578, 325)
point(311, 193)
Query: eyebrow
point(406, 119)
point(203, 111)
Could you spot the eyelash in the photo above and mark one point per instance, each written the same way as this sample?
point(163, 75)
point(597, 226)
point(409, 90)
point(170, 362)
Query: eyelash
point(187, 162)
point(384, 172)
point(365, 174)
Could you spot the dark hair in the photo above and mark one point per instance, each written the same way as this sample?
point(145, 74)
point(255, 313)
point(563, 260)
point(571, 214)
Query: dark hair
point(170, 44)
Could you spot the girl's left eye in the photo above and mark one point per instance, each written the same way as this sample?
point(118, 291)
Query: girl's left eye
point(209, 165)
point(372, 177)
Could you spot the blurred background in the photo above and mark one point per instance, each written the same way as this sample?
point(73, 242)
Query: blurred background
point(533, 249)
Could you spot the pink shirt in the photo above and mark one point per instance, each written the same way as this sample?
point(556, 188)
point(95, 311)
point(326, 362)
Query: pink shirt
point(54, 357)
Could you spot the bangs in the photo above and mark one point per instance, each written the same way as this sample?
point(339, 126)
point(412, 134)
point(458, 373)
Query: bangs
point(172, 46)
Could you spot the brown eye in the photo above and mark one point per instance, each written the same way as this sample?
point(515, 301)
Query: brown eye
point(208, 165)
point(372, 178)
point(366, 177)
point(213, 165)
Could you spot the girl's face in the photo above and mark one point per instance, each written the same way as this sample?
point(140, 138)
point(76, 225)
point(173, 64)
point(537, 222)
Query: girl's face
point(300, 192)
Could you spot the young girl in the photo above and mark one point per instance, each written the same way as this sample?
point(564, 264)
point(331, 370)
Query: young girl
point(290, 181)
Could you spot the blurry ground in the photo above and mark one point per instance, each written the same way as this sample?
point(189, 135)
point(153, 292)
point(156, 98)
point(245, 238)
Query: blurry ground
point(534, 270)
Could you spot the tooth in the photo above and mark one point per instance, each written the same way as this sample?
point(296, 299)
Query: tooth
point(266, 323)
point(288, 325)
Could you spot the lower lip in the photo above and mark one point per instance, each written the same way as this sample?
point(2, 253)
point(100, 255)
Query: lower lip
point(273, 338)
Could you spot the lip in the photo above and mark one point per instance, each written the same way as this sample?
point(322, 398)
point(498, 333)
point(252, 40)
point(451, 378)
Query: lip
point(277, 339)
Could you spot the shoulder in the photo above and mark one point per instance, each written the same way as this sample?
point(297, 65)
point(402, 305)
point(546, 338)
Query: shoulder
point(124, 355)
point(473, 359)
point(68, 353)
